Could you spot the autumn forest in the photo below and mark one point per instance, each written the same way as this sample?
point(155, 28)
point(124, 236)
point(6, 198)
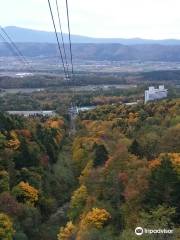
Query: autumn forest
point(119, 170)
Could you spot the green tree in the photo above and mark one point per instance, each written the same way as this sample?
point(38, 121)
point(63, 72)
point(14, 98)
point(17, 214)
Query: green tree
point(2, 140)
point(4, 181)
point(78, 201)
point(171, 140)
point(164, 187)
point(30, 221)
point(100, 154)
point(135, 148)
point(160, 217)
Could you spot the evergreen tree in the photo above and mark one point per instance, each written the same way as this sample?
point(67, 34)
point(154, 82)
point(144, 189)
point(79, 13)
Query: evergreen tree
point(135, 148)
point(100, 154)
point(164, 187)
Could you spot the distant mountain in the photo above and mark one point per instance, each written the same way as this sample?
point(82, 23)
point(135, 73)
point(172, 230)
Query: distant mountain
point(34, 36)
point(100, 52)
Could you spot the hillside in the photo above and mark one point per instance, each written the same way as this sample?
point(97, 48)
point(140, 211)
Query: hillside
point(120, 170)
point(110, 52)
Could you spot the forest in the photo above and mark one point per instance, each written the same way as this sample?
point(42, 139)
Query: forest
point(120, 170)
point(31, 186)
point(54, 78)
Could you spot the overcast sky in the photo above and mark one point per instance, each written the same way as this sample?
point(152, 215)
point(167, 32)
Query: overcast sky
point(155, 19)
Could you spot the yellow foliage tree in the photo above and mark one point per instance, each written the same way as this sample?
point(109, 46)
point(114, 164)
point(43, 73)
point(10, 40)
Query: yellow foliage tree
point(175, 158)
point(95, 218)
point(67, 232)
point(14, 142)
point(6, 227)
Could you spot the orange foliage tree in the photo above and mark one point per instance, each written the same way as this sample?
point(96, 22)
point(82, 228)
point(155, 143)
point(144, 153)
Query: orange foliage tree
point(26, 193)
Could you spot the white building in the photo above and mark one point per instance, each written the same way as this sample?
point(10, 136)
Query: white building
point(155, 93)
point(50, 113)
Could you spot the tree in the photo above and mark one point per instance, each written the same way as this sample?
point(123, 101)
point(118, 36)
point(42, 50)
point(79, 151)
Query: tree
point(25, 193)
point(67, 232)
point(78, 201)
point(95, 218)
point(30, 176)
point(100, 154)
point(92, 224)
point(30, 221)
point(170, 141)
point(129, 234)
point(6, 227)
point(28, 155)
point(160, 217)
point(105, 233)
point(14, 142)
point(149, 144)
point(135, 148)
point(2, 140)
point(164, 185)
point(9, 205)
point(4, 181)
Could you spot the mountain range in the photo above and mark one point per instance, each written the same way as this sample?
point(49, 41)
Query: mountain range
point(99, 52)
point(33, 43)
point(25, 35)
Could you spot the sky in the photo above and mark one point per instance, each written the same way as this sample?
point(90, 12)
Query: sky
point(150, 19)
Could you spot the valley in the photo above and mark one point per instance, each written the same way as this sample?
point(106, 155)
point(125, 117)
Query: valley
point(85, 158)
